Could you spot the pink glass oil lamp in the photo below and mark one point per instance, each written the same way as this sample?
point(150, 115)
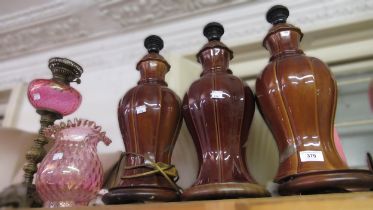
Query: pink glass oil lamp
point(53, 99)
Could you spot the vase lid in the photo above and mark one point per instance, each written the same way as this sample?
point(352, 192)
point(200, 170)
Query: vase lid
point(277, 16)
point(213, 32)
point(65, 69)
point(153, 44)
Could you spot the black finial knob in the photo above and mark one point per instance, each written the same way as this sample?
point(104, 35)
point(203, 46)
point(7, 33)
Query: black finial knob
point(213, 31)
point(277, 14)
point(153, 43)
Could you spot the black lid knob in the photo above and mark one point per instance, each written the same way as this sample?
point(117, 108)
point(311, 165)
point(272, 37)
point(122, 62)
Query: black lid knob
point(213, 31)
point(153, 43)
point(277, 14)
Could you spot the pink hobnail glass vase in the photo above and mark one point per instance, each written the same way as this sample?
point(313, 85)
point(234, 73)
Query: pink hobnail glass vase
point(51, 95)
point(71, 173)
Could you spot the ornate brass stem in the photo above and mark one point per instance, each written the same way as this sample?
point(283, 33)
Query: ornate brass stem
point(37, 151)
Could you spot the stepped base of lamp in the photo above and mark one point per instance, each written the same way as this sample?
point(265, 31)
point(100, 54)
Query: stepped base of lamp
point(140, 195)
point(224, 191)
point(333, 181)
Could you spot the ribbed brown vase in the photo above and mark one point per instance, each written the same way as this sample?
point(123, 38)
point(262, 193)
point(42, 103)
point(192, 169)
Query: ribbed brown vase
point(218, 109)
point(297, 97)
point(149, 118)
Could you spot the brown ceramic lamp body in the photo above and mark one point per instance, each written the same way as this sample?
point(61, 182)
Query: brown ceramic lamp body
point(150, 118)
point(218, 109)
point(297, 97)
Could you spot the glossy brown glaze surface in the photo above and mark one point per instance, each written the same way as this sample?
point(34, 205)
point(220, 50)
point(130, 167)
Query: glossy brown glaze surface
point(297, 97)
point(218, 109)
point(149, 118)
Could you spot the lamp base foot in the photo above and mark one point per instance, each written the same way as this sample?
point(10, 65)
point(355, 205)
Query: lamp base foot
point(224, 191)
point(139, 195)
point(334, 181)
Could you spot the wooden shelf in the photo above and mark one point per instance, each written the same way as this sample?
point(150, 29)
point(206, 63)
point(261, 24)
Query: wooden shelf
point(342, 201)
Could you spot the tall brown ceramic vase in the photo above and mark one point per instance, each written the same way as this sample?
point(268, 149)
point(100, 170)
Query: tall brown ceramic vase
point(218, 109)
point(149, 118)
point(297, 97)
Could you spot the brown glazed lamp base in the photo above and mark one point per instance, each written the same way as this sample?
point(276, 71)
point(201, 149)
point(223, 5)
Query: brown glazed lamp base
point(224, 191)
point(334, 181)
point(139, 195)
